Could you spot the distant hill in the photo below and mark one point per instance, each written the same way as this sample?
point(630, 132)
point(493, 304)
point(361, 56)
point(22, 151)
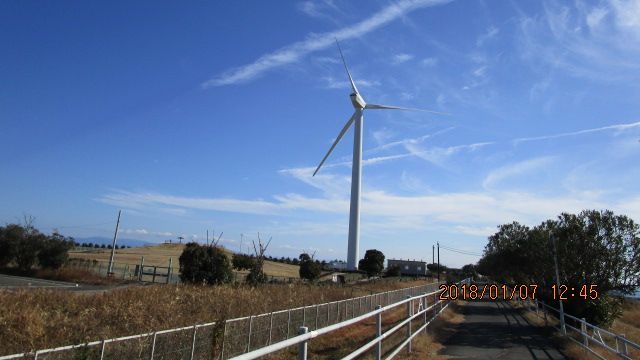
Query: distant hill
point(107, 241)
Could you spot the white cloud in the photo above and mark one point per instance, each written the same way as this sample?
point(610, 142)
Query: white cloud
point(584, 41)
point(517, 169)
point(145, 232)
point(438, 155)
point(314, 42)
point(430, 61)
point(401, 58)
point(480, 72)
point(615, 127)
point(333, 83)
point(595, 16)
point(488, 35)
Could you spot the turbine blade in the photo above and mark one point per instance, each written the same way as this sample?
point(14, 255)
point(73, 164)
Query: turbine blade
point(342, 132)
point(353, 85)
point(387, 107)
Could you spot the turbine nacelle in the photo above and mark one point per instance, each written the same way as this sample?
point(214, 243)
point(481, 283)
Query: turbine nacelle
point(357, 101)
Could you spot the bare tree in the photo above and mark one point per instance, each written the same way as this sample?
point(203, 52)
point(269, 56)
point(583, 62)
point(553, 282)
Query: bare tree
point(256, 274)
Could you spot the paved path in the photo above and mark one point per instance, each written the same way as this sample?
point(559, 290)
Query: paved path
point(13, 282)
point(495, 330)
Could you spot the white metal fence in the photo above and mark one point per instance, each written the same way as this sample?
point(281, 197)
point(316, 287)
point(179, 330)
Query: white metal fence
point(585, 334)
point(425, 306)
point(223, 340)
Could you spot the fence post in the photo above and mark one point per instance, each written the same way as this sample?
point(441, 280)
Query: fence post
point(155, 269)
point(409, 313)
point(583, 330)
point(288, 322)
point(102, 350)
point(536, 302)
point(378, 333)
point(302, 347)
point(317, 306)
point(304, 315)
point(328, 314)
point(625, 349)
point(270, 327)
point(424, 307)
point(141, 268)
point(338, 312)
point(169, 270)
point(193, 341)
point(249, 336)
point(224, 332)
point(544, 311)
point(153, 345)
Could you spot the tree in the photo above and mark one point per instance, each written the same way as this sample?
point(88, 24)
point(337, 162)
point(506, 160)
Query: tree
point(27, 247)
point(469, 271)
point(204, 265)
point(373, 262)
point(393, 271)
point(242, 262)
point(54, 251)
point(256, 273)
point(309, 269)
point(593, 248)
point(10, 235)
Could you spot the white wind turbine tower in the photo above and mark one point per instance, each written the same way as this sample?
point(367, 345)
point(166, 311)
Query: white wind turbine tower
point(356, 167)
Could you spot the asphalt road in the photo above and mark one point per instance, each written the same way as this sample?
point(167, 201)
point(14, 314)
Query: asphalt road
point(14, 282)
point(495, 330)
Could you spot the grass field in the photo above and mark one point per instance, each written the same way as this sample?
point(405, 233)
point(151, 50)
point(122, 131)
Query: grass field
point(37, 319)
point(159, 256)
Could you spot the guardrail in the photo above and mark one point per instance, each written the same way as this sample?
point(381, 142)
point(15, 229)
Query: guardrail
point(585, 334)
point(231, 338)
point(423, 308)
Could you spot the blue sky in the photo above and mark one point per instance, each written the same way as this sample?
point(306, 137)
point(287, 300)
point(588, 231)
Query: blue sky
point(214, 115)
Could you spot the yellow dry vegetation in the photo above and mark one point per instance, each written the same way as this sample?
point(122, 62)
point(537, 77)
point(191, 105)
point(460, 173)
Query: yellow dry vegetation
point(43, 318)
point(159, 255)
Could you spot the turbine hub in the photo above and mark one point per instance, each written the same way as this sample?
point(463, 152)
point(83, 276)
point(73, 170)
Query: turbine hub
point(357, 101)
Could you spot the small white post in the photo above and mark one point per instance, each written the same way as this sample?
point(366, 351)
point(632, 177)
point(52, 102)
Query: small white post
point(409, 313)
point(288, 323)
point(270, 327)
point(316, 317)
point(302, 347)
point(378, 333)
point(249, 335)
point(153, 345)
point(193, 341)
point(583, 330)
point(424, 307)
point(102, 350)
point(625, 349)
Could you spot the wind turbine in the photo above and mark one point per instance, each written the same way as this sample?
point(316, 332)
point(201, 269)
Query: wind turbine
point(356, 167)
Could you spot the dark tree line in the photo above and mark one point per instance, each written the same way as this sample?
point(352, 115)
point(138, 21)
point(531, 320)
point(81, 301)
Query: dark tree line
point(593, 248)
point(24, 247)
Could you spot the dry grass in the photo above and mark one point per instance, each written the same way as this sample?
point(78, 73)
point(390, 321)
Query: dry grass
point(340, 343)
point(75, 275)
point(159, 256)
point(36, 319)
point(628, 324)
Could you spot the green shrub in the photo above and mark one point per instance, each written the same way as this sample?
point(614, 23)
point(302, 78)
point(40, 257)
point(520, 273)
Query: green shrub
point(204, 265)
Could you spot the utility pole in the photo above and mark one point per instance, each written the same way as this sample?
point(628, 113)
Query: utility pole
point(113, 246)
point(207, 237)
point(438, 261)
point(555, 260)
point(433, 252)
point(241, 236)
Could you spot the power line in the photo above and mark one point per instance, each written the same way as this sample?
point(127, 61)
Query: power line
point(463, 252)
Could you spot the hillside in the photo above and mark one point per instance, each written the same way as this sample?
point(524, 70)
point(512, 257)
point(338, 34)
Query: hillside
point(159, 255)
